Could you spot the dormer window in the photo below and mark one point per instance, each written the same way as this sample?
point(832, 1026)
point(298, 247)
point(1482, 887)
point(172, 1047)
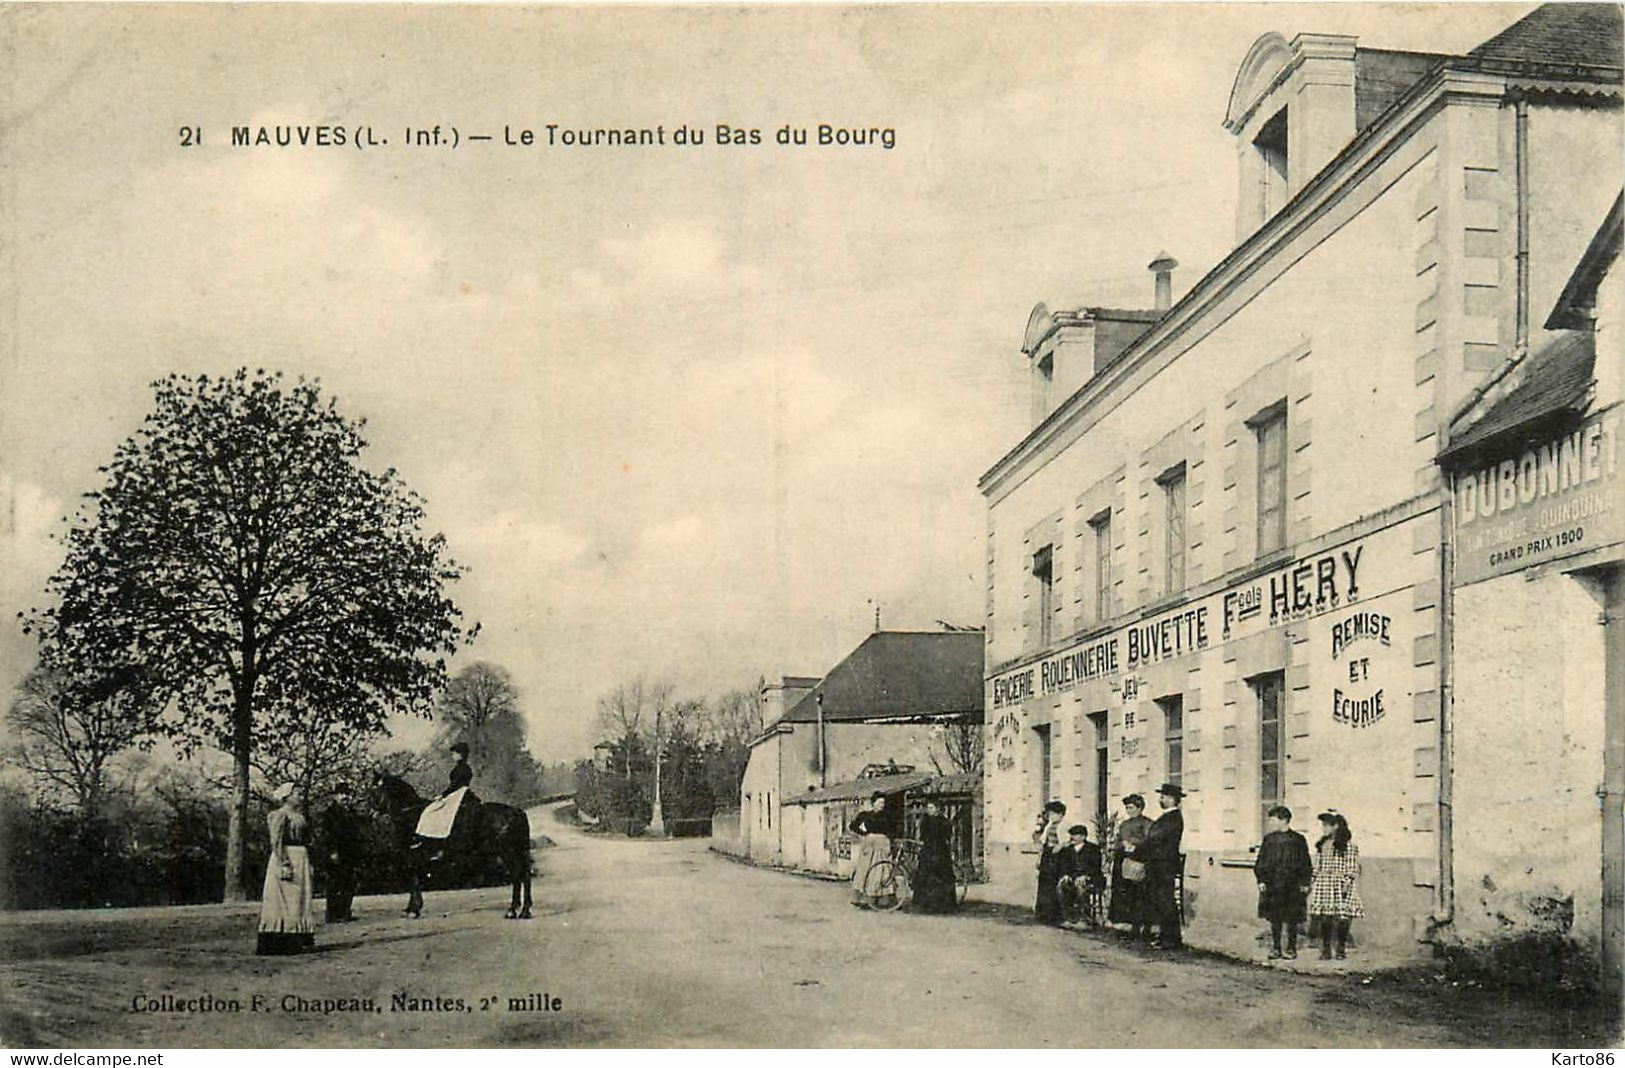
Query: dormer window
point(1294, 107)
point(1043, 384)
point(1271, 145)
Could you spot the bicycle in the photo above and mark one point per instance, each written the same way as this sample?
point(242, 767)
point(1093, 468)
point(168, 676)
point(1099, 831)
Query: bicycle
point(890, 882)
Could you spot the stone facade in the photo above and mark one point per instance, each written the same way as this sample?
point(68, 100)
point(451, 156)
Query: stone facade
point(1219, 560)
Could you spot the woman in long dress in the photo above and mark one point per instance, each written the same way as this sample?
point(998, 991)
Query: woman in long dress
point(1128, 895)
point(934, 879)
point(1047, 837)
point(873, 845)
point(287, 920)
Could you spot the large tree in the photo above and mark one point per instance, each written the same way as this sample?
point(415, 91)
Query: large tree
point(480, 706)
point(731, 723)
point(242, 560)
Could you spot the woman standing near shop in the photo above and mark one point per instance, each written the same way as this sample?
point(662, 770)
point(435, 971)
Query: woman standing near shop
point(1047, 836)
point(873, 845)
point(1128, 893)
point(287, 921)
point(934, 889)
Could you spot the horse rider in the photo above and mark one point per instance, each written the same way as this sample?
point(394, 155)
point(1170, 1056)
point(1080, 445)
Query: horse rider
point(458, 826)
point(461, 774)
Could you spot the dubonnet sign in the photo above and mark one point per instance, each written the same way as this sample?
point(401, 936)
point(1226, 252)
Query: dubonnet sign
point(1555, 499)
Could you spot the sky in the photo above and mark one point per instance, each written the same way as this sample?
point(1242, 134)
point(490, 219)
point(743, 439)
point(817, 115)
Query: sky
point(688, 413)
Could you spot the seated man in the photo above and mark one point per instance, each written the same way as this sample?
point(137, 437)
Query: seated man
point(1081, 877)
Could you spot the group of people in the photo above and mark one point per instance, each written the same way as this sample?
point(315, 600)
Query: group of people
point(1146, 863)
point(933, 884)
point(1145, 868)
point(287, 916)
point(1294, 885)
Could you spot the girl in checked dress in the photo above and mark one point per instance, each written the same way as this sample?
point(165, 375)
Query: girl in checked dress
point(1334, 893)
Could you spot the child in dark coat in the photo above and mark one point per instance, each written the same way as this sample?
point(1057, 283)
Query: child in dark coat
point(1283, 871)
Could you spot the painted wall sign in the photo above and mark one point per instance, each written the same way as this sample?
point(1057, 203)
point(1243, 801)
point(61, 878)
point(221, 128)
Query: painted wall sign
point(1358, 699)
point(1005, 729)
point(1555, 499)
point(1299, 590)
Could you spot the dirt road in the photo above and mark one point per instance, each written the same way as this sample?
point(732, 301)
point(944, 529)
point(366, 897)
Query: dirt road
point(664, 943)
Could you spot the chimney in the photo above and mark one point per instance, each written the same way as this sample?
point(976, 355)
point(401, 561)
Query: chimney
point(1164, 266)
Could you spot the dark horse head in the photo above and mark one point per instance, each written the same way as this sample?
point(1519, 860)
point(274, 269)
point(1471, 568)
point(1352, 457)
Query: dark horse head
point(499, 838)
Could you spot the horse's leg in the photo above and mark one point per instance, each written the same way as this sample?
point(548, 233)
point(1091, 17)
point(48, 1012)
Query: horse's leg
point(414, 903)
point(524, 858)
point(524, 913)
point(511, 871)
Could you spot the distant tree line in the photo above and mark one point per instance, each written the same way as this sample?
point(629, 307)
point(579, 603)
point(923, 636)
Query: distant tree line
point(703, 746)
point(91, 819)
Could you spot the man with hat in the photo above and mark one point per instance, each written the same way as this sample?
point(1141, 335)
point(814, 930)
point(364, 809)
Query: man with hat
point(1162, 858)
point(342, 846)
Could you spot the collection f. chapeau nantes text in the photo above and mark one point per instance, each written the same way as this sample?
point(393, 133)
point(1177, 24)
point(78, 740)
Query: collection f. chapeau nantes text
point(547, 135)
point(328, 1005)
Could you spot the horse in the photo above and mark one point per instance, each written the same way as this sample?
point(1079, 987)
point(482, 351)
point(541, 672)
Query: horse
point(501, 832)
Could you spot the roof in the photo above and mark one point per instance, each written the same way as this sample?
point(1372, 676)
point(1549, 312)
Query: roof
point(1552, 384)
point(1578, 45)
point(913, 782)
point(1132, 315)
point(1579, 297)
point(1564, 34)
point(857, 789)
point(896, 674)
point(1382, 76)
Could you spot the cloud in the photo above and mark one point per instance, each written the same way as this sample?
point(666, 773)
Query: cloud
point(29, 516)
point(511, 537)
point(661, 261)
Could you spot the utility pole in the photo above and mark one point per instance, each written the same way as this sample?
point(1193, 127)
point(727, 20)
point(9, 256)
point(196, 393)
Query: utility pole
point(657, 825)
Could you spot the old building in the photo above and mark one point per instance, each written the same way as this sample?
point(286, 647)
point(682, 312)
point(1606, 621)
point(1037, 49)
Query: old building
point(1538, 535)
point(900, 698)
point(1218, 557)
point(816, 834)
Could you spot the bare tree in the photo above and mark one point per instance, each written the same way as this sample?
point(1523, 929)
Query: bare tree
point(476, 696)
point(69, 732)
point(627, 712)
point(736, 717)
point(960, 745)
point(318, 756)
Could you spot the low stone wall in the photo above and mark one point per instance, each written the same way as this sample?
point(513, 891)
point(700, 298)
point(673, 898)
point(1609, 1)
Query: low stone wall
point(725, 834)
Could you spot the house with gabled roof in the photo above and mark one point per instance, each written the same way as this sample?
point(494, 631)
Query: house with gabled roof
point(894, 701)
